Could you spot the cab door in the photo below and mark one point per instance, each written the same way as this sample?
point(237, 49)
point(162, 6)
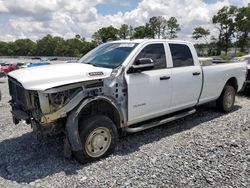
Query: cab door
point(186, 77)
point(149, 92)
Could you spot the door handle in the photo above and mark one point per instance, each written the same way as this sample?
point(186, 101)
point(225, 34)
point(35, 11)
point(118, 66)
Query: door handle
point(196, 73)
point(164, 77)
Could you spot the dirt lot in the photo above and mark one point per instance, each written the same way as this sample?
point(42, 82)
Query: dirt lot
point(207, 149)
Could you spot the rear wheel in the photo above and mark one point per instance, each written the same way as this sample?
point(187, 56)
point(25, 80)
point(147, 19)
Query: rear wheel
point(226, 100)
point(99, 137)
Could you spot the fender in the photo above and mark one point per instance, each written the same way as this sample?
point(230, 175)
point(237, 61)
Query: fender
point(72, 121)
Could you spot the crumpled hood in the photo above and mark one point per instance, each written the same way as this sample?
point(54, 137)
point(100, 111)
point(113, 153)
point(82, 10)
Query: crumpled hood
point(49, 76)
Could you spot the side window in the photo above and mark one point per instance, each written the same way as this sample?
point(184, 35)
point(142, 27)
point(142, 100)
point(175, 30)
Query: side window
point(181, 55)
point(156, 52)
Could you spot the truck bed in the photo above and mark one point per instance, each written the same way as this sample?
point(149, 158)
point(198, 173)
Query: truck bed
point(216, 75)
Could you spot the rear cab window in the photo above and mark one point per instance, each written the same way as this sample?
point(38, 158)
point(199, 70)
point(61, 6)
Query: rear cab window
point(181, 55)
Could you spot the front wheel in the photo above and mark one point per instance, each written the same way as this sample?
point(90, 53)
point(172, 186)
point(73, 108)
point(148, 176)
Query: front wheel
point(226, 100)
point(99, 137)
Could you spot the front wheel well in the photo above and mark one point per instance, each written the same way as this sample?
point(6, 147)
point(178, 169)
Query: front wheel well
point(233, 82)
point(102, 107)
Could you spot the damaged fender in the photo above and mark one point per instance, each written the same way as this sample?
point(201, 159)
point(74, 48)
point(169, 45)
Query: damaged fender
point(72, 121)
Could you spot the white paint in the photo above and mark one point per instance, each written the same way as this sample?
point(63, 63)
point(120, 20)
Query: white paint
point(49, 76)
point(148, 97)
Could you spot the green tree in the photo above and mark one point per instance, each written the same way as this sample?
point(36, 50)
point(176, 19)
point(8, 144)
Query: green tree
point(124, 31)
point(46, 46)
point(131, 32)
point(24, 47)
point(242, 23)
point(73, 47)
point(201, 33)
point(213, 47)
point(6, 48)
point(60, 46)
point(224, 21)
point(157, 26)
point(172, 28)
point(149, 33)
point(139, 32)
point(105, 34)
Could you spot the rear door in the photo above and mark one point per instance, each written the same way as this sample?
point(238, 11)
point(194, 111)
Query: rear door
point(149, 92)
point(186, 77)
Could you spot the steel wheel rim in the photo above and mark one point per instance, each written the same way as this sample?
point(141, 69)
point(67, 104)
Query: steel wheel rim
point(98, 142)
point(229, 98)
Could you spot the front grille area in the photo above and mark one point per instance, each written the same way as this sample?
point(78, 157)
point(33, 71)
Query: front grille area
point(19, 95)
point(248, 75)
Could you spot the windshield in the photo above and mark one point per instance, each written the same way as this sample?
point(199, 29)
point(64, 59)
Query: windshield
point(109, 55)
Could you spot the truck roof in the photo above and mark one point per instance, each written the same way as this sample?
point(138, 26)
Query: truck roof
point(150, 40)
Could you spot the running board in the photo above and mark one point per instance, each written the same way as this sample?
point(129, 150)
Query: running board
point(141, 127)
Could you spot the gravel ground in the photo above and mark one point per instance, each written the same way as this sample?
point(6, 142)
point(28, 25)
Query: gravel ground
point(207, 149)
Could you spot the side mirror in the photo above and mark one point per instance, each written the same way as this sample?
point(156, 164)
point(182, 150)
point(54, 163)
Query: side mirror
point(142, 64)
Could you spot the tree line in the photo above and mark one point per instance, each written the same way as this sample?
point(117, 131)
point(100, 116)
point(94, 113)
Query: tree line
point(47, 46)
point(232, 23)
point(156, 27)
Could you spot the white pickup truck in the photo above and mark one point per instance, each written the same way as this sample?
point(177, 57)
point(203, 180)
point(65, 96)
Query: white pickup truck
point(119, 86)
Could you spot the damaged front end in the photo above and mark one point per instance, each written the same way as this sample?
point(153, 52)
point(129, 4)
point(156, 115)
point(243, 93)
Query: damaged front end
point(20, 102)
point(46, 111)
point(57, 109)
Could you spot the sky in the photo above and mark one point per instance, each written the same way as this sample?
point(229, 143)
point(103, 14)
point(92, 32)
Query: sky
point(36, 18)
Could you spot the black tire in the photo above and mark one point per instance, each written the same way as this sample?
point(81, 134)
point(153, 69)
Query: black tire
point(225, 103)
point(88, 128)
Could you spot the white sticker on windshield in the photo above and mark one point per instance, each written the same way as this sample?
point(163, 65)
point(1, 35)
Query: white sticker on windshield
point(128, 45)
